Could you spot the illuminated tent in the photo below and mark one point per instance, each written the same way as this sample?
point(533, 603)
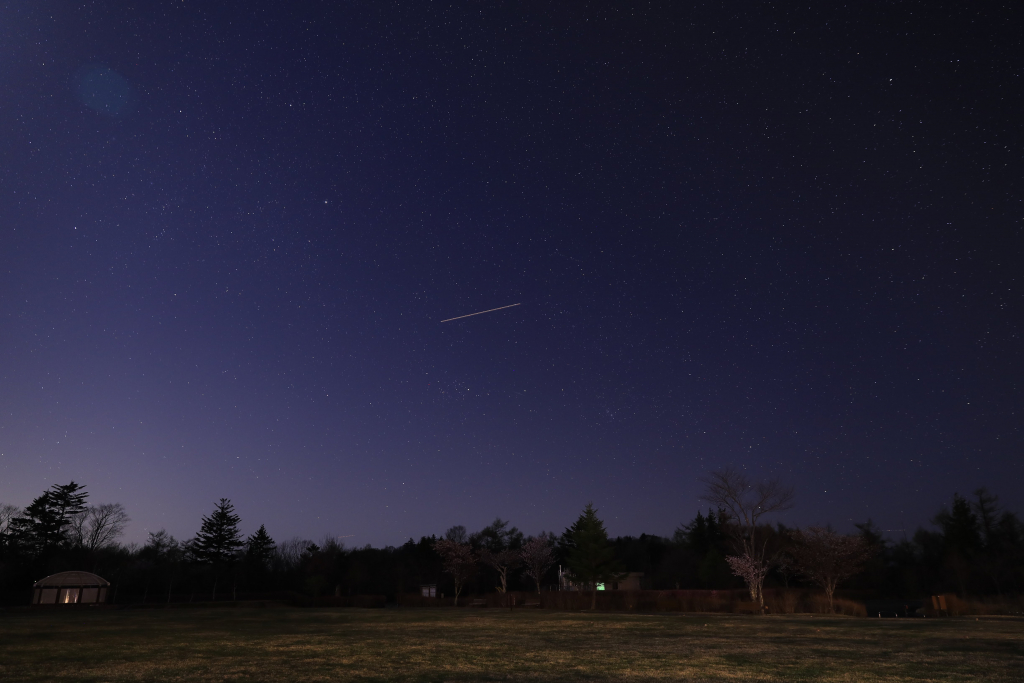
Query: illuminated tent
point(70, 588)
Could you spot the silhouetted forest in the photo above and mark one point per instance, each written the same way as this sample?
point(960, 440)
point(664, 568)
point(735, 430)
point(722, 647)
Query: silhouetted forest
point(973, 548)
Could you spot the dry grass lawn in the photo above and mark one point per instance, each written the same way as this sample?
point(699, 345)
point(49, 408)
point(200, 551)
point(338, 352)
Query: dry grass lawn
point(285, 644)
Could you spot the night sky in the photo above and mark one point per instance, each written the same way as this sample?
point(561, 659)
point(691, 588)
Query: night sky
point(779, 237)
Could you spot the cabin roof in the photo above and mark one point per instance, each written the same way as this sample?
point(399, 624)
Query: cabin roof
point(77, 579)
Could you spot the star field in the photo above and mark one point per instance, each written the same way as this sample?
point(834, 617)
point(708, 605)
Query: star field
point(786, 239)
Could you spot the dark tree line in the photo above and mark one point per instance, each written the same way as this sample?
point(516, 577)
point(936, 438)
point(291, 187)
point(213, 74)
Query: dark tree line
point(974, 549)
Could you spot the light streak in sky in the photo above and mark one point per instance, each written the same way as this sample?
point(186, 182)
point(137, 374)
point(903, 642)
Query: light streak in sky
point(470, 315)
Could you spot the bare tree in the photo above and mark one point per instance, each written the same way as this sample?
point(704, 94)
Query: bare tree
point(786, 567)
point(289, 553)
point(165, 550)
point(76, 528)
point(503, 561)
point(746, 502)
point(458, 560)
point(538, 555)
point(106, 524)
point(98, 525)
point(752, 571)
point(8, 513)
point(827, 558)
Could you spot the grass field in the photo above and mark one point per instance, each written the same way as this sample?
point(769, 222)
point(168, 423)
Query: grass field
point(287, 644)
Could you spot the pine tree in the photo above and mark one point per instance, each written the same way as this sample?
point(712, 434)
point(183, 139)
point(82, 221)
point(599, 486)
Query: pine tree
point(589, 555)
point(960, 529)
point(259, 547)
point(703, 534)
point(45, 521)
point(961, 536)
point(219, 540)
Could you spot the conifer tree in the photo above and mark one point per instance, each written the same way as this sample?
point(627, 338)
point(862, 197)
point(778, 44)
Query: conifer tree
point(962, 538)
point(219, 540)
point(259, 547)
point(589, 555)
point(45, 521)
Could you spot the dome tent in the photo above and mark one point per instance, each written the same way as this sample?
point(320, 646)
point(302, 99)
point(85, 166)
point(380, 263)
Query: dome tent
point(70, 588)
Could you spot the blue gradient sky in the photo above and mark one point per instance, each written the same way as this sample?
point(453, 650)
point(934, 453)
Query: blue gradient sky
point(785, 240)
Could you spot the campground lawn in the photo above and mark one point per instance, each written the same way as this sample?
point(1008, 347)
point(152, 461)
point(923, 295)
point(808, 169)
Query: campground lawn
point(290, 644)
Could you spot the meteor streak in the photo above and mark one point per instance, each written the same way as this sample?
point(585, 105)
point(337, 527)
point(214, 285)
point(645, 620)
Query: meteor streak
point(470, 315)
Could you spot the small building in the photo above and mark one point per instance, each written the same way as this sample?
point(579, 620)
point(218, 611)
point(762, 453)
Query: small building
point(626, 582)
point(70, 588)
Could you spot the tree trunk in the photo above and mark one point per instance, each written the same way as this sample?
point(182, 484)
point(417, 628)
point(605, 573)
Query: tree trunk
point(995, 579)
point(593, 598)
point(215, 590)
point(960, 569)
